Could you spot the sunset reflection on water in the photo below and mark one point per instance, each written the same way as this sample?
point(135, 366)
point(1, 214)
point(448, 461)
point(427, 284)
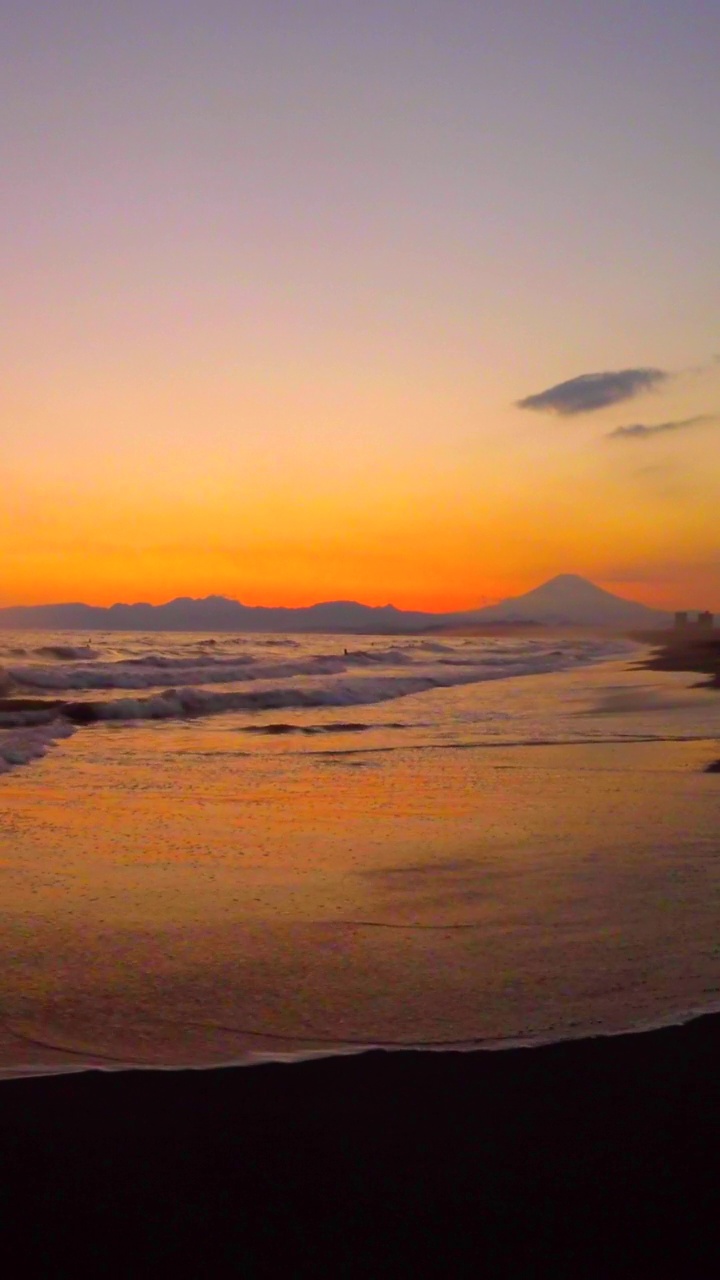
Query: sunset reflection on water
point(171, 895)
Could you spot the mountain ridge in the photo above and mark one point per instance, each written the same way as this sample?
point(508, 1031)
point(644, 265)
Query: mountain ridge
point(564, 600)
point(571, 599)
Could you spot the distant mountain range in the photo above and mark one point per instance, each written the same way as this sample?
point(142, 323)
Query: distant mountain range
point(567, 600)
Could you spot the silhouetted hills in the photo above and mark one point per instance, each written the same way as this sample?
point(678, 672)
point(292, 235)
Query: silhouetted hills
point(217, 613)
point(566, 600)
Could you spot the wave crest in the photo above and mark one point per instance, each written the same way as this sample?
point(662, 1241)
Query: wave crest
point(20, 745)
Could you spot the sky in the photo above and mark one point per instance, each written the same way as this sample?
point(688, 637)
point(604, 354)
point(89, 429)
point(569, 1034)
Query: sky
point(301, 299)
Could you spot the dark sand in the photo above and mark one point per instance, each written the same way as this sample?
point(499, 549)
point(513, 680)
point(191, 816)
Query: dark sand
point(595, 1157)
point(590, 1158)
point(690, 653)
point(680, 653)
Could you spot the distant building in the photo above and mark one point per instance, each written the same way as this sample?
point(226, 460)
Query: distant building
point(705, 621)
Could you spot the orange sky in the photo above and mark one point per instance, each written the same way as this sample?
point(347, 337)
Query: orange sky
point(274, 290)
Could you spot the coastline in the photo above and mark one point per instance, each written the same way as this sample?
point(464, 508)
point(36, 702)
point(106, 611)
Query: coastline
point(676, 652)
point(695, 653)
point(117, 953)
point(581, 1157)
point(590, 1157)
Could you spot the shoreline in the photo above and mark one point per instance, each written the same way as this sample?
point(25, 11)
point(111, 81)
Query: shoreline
point(526, 1027)
point(699, 654)
point(589, 1157)
point(676, 652)
point(259, 1059)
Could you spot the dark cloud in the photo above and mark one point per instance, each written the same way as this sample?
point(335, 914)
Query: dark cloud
point(592, 391)
point(639, 431)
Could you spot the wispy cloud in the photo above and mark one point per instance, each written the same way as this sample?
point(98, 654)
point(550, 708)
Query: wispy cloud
point(641, 431)
point(654, 469)
point(591, 391)
point(633, 571)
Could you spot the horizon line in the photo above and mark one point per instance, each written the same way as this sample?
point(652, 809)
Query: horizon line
point(337, 601)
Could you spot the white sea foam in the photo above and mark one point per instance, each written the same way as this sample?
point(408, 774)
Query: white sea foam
point(15, 715)
point(342, 691)
point(20, 745)
point(191, 701)
point(81, 686)
point(149, 676)
point(146, 671)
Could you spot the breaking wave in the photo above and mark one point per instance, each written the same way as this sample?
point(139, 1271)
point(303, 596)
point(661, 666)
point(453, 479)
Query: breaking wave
point(344, 692)
point(21, 745)
point(46, 688)
point(68, 652)
point(276, 729)
point(173, 703)
point(146, 672)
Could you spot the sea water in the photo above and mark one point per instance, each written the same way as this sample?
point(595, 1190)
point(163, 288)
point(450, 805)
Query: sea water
point(226, 848)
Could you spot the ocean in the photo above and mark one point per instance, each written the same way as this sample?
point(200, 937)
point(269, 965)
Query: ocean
point(228, 849)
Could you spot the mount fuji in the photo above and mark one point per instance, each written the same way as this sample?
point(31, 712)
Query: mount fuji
point(569, 600)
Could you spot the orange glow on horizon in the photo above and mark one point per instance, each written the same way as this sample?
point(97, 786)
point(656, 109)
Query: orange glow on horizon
point(373, 512)
point(274, 314)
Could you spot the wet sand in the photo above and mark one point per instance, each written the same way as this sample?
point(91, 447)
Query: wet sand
point(157, 914)
point(701, 654)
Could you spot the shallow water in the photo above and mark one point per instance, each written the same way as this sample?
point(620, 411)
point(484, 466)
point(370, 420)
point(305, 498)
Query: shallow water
point(481, 863)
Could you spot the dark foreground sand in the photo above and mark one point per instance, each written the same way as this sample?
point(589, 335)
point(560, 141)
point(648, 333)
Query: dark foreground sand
point(588, 1158)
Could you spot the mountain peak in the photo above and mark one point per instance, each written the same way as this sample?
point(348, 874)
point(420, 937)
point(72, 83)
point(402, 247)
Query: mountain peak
point(571, 600)
point(569, 584)
point(568, 579)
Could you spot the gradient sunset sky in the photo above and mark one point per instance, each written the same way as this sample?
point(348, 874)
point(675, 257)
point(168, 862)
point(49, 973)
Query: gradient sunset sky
point(276, 276)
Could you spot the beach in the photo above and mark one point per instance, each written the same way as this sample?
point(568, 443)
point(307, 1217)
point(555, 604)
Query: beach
point(701, 654)
point(697, 653)
point(359, 657)
point(408, 898)
point(593, 1158)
